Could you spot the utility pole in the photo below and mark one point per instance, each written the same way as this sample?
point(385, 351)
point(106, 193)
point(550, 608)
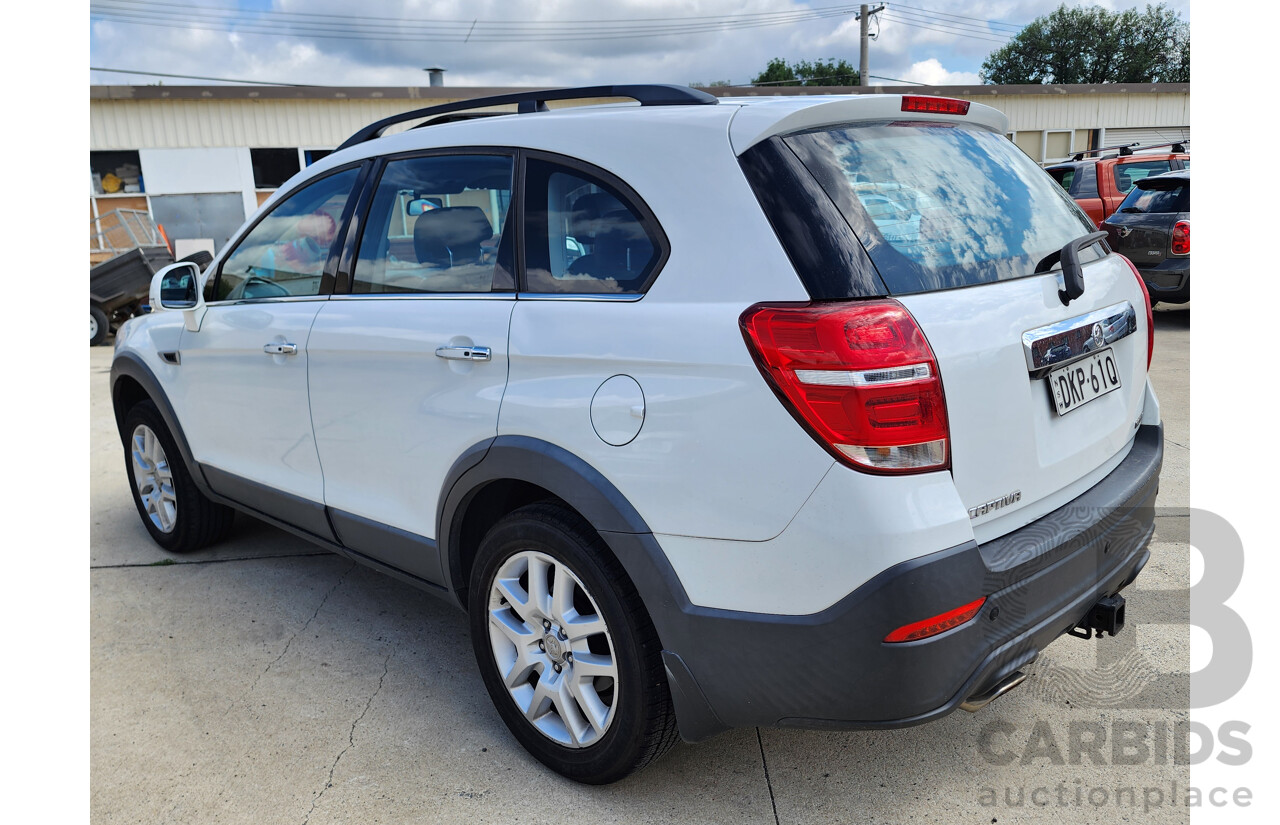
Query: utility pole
point(863, 65)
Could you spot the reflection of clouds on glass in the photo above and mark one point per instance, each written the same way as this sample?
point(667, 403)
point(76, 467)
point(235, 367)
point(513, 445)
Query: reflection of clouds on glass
point(950, 206)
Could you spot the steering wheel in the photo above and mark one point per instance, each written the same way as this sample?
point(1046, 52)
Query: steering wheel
point(256, 286)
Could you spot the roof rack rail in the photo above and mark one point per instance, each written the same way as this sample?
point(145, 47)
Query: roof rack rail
point(1128, 149)
point(1120, 146)
point(1178, 146)
point(536, 101)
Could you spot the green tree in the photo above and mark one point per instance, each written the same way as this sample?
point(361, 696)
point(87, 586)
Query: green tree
point(829, 72)
point(1093, 45)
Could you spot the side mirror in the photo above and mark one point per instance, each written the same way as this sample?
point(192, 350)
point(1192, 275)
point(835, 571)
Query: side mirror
point(177, 286)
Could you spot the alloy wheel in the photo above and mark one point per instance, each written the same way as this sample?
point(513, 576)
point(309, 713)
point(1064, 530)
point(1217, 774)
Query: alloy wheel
point(553, 649)
point(153, 479)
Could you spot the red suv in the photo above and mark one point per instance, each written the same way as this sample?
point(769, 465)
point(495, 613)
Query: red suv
point(1100, 184)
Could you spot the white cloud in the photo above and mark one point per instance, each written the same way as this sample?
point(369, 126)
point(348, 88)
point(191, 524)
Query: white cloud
point(931, 73)
point(946, 41)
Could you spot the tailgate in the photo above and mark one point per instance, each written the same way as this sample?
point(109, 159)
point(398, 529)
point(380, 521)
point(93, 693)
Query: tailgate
point(1143, 239)
point(1014, 456)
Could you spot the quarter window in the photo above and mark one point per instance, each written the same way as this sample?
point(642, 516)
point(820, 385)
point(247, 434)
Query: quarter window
point(284, 255)
point(583, 235)
point(436, 225)
point(1127, 174)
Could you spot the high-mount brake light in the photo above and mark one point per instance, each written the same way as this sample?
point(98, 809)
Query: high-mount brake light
point(860, 377)
point(1146, 300)
point(1180, 243)
point(938, 624)
point(935, 105)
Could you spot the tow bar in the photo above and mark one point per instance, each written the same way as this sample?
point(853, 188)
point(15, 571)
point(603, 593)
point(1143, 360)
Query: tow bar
point(1107, 614)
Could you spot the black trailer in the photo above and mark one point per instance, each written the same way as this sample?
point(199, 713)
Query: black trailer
point(118, 288)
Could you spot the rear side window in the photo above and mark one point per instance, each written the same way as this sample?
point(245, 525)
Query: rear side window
point(585, 235)
point(1065, 176)
point(1127, 174)
point(1171, 197)
point(938, 206)
point(436, 225)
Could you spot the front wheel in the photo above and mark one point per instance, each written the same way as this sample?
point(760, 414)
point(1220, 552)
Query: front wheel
point(176, 514)
point(566, 648)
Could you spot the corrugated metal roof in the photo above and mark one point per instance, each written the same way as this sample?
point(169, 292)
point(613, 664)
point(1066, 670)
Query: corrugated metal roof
point(148, 117)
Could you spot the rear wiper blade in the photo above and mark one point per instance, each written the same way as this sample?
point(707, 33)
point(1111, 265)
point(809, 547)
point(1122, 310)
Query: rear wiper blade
point(1072, 273)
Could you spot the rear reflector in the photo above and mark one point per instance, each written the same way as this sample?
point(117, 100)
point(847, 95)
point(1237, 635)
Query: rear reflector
point(1180, 243)
point(938, 624)
point(859, 376)
point(1146, 300)
point(935, 105)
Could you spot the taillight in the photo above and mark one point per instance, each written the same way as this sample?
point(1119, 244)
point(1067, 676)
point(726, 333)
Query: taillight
point(935, 105)
point(860, 377)
point(1146, 301)
point(1180, 243)
point(938, 624)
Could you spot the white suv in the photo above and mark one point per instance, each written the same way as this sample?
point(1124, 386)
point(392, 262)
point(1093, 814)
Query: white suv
point(824, 412)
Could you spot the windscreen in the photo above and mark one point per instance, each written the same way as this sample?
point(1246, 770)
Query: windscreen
point(939, 206)
point(1166, 196)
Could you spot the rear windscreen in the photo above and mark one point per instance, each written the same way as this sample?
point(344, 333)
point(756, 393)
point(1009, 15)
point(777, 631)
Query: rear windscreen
point(937, 206)
point(1167, 197)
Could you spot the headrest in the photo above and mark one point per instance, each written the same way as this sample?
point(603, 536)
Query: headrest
point(451, 229)
point(454, 225)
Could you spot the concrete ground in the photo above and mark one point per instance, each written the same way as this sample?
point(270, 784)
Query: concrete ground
point(266, 681)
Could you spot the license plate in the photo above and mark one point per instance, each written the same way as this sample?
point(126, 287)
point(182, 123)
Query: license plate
point(1081, 381)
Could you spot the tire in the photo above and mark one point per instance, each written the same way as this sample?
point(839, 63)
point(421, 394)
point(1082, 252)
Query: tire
point(594, 726)
point(176, 514)
point(99, 326)
point(200, 258)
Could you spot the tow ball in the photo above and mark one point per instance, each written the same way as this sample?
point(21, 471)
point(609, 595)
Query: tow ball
point(1107, 614)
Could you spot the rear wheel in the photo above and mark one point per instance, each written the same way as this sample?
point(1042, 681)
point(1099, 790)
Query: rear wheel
point(176, 514)
point(566, 649)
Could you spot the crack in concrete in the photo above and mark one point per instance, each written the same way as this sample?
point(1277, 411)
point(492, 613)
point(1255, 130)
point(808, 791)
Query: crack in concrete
point(289, 643)
point(767, 781)
point(351, 737)
point(167, 562)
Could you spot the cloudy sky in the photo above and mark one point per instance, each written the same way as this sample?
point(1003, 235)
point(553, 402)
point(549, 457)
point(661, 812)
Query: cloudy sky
point(543, 42)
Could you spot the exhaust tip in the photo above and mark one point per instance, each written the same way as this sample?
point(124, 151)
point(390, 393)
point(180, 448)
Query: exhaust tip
point(976, 703)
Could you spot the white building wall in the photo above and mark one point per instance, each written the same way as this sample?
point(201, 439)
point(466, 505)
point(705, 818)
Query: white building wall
point(199, 171)
point(274, 122)
point(144, 124)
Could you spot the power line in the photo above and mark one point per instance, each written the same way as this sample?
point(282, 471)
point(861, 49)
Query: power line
point(914, 25)
point(217, 19)
point(950, 25)
point(338, 34)
point(896, 80)
point(200, 77)
point(1015, 27)
point(236, 13)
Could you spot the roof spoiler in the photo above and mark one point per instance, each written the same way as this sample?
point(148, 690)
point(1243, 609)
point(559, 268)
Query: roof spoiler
point(536, 101)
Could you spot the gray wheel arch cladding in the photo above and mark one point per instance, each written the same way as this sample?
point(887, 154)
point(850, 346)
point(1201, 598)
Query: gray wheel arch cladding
point(581, 486)
point(531, 461)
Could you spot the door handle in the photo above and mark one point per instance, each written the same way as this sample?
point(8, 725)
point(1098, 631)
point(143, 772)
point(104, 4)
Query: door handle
point(465, 353)
point(280, 349)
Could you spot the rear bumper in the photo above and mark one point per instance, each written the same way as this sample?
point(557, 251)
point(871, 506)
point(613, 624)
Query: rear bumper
point(1169, 280)
point(831, 670)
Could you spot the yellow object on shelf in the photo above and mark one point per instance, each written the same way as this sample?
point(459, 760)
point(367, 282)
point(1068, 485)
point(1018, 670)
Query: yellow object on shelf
point(111, 183)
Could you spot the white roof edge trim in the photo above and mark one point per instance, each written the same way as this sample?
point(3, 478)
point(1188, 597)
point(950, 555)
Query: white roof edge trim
point(756, 122)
